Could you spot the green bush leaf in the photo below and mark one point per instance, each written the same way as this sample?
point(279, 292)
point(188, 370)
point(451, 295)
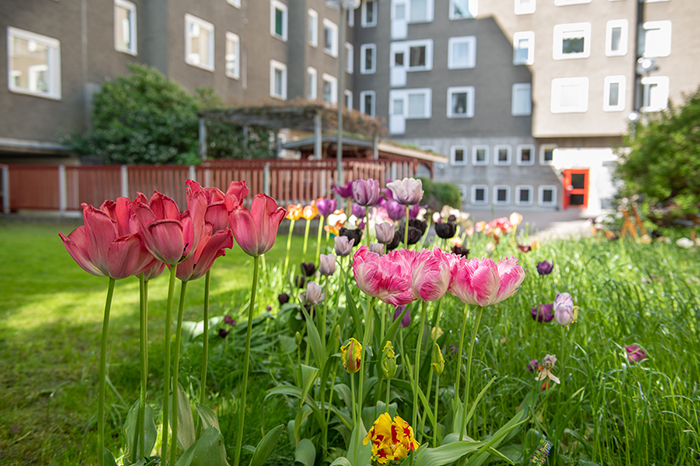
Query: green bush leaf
point(130, 427)
point(266, 446)
point(209, 450)
point(208, 417)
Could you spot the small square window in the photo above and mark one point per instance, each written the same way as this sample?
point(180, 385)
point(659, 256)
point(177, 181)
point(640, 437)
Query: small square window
point(526, 155)
point(524, 48)
point(367, 102)
point(34, 64)
point(525, 7)
point(501, 195)
point(523, 195)
point(460, 102)
point(616, 38)
point(547, 155)
point(368, 58)
point(521, 103)
point(330, 37)
point(614, 93)
point(278, 80)
point(569, 95)
point(461, 52)
point(369, 13)
point(547, 195)
point(572, 41)
point(313, 27)
point(502, 155)
point(480, 155)
point(458, 155)
point(125, 26)
point(199, 43)
point(312, 84)
point(330, 89)
point(480, 194)
point(278, 19)
point(420, 11)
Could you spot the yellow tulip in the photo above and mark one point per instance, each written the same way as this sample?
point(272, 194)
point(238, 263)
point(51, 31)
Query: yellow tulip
point(351, 355)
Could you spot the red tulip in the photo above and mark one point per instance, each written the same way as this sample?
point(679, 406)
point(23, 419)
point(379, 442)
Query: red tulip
point(235, 194)
point(210, 247)
point(169, 235)
point(108, 245)
point(385, 277)
point(217, 212)
point(255, 230)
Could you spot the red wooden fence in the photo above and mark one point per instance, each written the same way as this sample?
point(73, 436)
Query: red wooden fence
point(40, 187)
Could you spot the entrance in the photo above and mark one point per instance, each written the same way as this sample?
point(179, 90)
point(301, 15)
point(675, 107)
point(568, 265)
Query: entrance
point(576, 188)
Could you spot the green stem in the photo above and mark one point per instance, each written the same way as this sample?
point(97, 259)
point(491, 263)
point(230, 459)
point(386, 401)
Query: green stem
point(417, 364)
point(318, 239)
point(246, 359)
point(363, 361)
point(469, 371)
point(352, 397)
point(427, 397)
point(405, 233)
point(144, 368)
point(205, 344)
point(367, 224)
point(306, 239)
point(176, 369)
point(103, 367)
point(322, 323)
point(388, 393)
point(461, 347)
point(289, 245)
point(166, 362)
point(435, 428)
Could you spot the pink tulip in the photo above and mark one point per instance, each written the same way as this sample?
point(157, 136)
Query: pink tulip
point(408, 191)
point(235, 194)
point(210, 247)
point(217, 211)
point(385, 277)
point(169, 235)
point(431, 274)
point(483, 282)
point(108, 245)
point(255, 230)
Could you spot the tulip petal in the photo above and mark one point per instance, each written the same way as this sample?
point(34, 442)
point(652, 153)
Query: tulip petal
point(76, 244)
point(244, 230)
point(166, 240)
point(101, 231)
point(125, 256)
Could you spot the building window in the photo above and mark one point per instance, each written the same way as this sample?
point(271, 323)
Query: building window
point(312, 83)
point(313, 27)
point(614, 93)
point(420, 11)
point(570, 2)
point(462, 192)
point(349, 58)
point(521, 99)
point(460, 102)
point(236, 3)
point(419, 52)
point(616, 38)
point(654, 93)
point(547, 195)
point(35, 64)
point(367, 104)
point(199, 43)
point(330, 37)
point(348, 99)
point(278, 80)
point(278, 19)
point(569, 95)
point(524, 48)
point(369, 14)
point(526, 154)
point(351, 17)
point(501, 195)
point(480, 194)
point(368, 58)
point(525, 7)
point(233, 53)
point(412, 104)
point(461, 9)
point(572, 41)
point(524, 195)
point(458, 155)
point(461, 52)
point(330, 89)
point(502, 155)
point(125, 26)
point(547, 155)
point(655, 39)
point(480, 155)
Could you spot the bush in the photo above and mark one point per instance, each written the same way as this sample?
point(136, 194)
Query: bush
point(440, 194)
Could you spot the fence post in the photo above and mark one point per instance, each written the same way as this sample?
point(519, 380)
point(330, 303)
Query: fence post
point(375, 148)
point(125, 181)
point(5, 189)
point(202, 139)
point(192, 173)
point(318, 137)
point(62, 194)
point(266, 178)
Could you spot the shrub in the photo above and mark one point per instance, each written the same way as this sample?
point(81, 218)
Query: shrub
point(439, 194)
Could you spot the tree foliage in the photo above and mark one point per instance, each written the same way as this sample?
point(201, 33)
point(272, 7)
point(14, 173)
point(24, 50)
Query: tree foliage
point(664, 161)
point(438, 194)
point(146, 118)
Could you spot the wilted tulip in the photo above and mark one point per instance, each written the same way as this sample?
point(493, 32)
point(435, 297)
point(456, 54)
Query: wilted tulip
point(384, 232)
point(343, 245)
point(355, 235)
point(406, 319)
point(256, 230)
point(388, 361)
point(564, 310)
point(327, 264)
point(308, 268)
point(365, 192)
point(458, 251)
point(351, 355)
point(408, 191)
point(437, 360)
point(445, 230)
point(546, 369)
point(283, 298)
point(545, 267)
point(344, 191)
point(532, 365)
point(326, 206)
point(377, 248)
point(635, 354)
point(483, 282)
point(314, 293)
point(525, 247)
point(542, 313)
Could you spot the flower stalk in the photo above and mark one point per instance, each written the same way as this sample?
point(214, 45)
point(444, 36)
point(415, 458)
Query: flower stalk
point(176, 369)
point(469, 371)
point(166, 361)
point(103, 367)
point(289, 246)
point(417, 363)
point(318, 238)
point(365, 342)
point(143, 292)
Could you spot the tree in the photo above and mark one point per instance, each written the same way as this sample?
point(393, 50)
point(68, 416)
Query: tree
point(663, 163)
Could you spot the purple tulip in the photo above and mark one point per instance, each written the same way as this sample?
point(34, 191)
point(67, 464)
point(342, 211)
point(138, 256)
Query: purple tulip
point(453, 350)
point(283, 298)
point(327, 264)
point(365, 192)
point(343, 245)
point(385, 232)
point(542, 313)
point(344, 191)
point(395, 210)
point(545, 267)
point(635, 354)
point(299, 281)
point(532, 365)
point(308, 268)
point(406, 320)
point(408, 191)
point(223, 333)
point(564, 309)
point(415, 210)
point(230, 321)
point(359, 211)
point(326, 206)
point(377, 248)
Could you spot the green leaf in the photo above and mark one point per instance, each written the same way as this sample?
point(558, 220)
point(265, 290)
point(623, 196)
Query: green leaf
point(364, 452)
point(314, 339)
point(130, 427)
point(393, 328)
point(341, 461)
point(308, 375)
point(186, 434)
point(305, 453)
point(209, 450)
point(109, 458)
point(266, 446)
point(353, 310)
point(476, 402)
point(208, 417)
point(446, 454)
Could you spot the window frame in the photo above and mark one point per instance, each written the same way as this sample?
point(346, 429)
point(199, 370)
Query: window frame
point(274, 5)
point(363, 20)
point(453, 153)
point(624, 37)
point(664, 27)
point(570, 2)
point(496, 150)
point(519, 159)
point(276, 65)
point(518, 8)
point(543, 149)
point(405, 47)
point(540, 195)
point(526, 187)
point(530, 36)
point(312, 26)
point(133, 39)
point(234, 3)
point(470, 91)
point(621, 80)
point(334, 88)
point(333, 51)
point(53, 65)
point(430, 12)
point(486, 194)
point(475, 148)
point(471, 62)
point(363, 108)
point(347, 94)
point(498, 187)
point(206, 25)
point(561, 30)
point(557, 84)
point(472, 11)
point(363, 51)
point(350, 17)
point(230, 36)
point(514, 110)
point(463, 191)
point(663, 82)
point(312, 92)
point(349, 58)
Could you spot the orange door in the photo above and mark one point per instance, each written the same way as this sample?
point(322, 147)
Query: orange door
point(576, 188)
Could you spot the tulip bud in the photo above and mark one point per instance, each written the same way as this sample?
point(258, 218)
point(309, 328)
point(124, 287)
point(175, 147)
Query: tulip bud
point(283, 298)
point(327, 264)
point(408, 191)
point(365, 192)
point(445, 230)
point(359, 211)
point(438, 362)
point(545, 267)
point(384, 232)
point(308, 268)
point(532, 365)
point(314, 293)
point(298, 338)
point(388, 361)
point(343, 245)
point(326, 206)
point(230, 321)
point(223, 333)
point(299, 281)
point(336, 333)
point(565, 312)
point(377, 248)
point(351, 354)
point(406, 320)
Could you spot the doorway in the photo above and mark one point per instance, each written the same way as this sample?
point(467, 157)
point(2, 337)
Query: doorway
point(576, 188)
